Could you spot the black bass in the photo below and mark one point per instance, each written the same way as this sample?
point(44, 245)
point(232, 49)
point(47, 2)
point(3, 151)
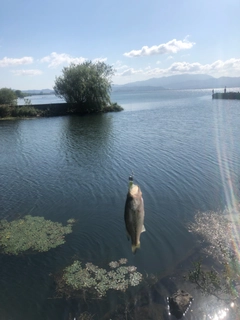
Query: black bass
point(134, 215)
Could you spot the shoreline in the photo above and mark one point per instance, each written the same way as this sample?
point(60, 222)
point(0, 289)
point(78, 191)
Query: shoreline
point(50, 110)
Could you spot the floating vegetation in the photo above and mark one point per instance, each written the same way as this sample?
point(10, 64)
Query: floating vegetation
point(216, 232)
point(83, 316)
point(32, 233)
point(123, 261)
point(113, 264)
point(219, 238)
point(213, 282)
point(97, 280)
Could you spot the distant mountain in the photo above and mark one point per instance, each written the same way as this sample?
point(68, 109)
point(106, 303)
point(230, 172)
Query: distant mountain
point(178, 82)
point(229, 82)
point(168, 81)
point(184, 81)
point(136, 88)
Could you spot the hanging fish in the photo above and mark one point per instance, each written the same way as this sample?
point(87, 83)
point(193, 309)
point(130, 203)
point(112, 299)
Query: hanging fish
point(134, 214)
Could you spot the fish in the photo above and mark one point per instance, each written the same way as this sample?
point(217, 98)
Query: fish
point(134, 215)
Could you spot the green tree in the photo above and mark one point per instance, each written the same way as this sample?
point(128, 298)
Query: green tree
point(8, 96)
point(86, 85)
point(20, 94)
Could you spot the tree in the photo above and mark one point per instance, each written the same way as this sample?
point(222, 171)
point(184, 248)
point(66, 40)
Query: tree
point(20, 94)
point(8, 96)
point(86, 85)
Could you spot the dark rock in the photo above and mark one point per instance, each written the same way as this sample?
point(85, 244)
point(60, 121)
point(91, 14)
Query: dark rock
point(179, 303)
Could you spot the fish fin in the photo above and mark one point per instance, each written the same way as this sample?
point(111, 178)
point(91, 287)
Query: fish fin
point(135, 247)
point(143, 229)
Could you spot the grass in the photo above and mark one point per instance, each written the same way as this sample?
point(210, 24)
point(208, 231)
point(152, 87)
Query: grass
point(9, 112)
point(27, 111)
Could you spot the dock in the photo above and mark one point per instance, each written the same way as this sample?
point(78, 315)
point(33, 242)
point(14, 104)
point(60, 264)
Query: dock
point(226, 95)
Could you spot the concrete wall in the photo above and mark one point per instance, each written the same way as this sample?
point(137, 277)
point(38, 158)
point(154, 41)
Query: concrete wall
point(52, 109)
point(227, 95)
point(50, 105)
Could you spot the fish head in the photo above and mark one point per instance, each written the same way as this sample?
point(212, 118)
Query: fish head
point(135, 191)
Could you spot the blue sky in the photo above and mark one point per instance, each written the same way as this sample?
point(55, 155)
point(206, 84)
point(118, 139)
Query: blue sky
point(140, 39)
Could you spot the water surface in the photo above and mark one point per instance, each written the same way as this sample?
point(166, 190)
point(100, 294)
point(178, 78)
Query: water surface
point(183, 148)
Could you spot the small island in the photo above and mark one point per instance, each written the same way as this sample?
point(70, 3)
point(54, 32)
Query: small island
point(226, 95)
point(85, 88)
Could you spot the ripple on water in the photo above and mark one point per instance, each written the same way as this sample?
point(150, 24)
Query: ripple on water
point(183, 156)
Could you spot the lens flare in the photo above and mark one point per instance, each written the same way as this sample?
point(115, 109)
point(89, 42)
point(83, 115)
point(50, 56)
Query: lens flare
point(225, 142)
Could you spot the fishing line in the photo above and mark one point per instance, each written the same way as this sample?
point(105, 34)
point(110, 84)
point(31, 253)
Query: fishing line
point(131, 143)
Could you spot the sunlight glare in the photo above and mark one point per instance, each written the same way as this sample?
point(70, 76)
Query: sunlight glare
point(221, 314)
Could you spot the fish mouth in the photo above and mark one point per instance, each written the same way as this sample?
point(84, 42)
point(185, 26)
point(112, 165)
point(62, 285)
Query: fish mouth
point(133, 190)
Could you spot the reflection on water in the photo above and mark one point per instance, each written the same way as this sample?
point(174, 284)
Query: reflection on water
point(95, 143)
point(184, 150)
point(218, 313)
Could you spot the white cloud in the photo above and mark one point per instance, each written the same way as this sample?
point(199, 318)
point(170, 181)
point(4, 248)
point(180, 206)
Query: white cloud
point(172, 46)
point(129, 72)
point(124, 66)
point(218, 68)
point(6, 62)
point(169, 57)
point(185, 67)
point(119, 65)
point(158, 62)
point(99, 60)
point(33, 72)
point(55, 59)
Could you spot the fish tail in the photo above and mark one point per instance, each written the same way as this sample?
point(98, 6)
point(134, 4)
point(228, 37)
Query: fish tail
point(135, 247)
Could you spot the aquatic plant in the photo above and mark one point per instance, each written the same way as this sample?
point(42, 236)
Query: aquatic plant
point(217, 237)
point(85, 316)
point(32, 233)
point(215, 231)
point(82, 316)
point(210, 281)
point(97, 280)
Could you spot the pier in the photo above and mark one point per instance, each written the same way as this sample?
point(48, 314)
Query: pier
point(226, 95)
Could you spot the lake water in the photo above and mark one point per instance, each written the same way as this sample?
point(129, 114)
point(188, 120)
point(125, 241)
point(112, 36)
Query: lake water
point(184, 150)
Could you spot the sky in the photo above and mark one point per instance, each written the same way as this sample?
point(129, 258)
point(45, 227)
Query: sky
point(141, 39)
